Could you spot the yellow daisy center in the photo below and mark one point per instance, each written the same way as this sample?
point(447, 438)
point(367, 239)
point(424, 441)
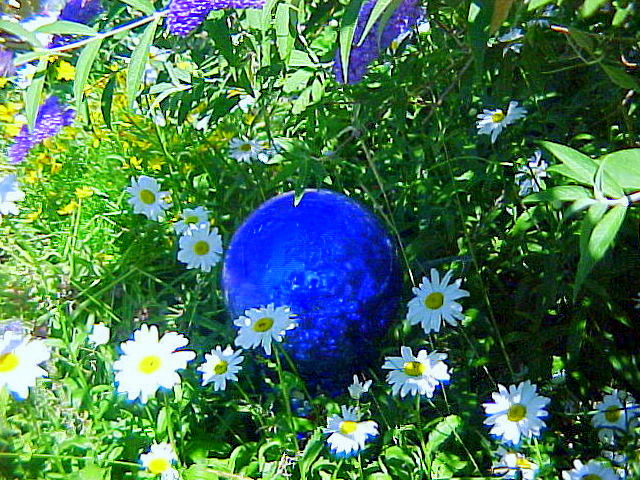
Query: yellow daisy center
point(149, 364)
point(8, 361)
point(413, 369)
point(591, 476)
point(517, 412)
point(191, 219)
point(220, 367)
point(612, 414)
point(245, 147)
point(158, 465)
point(523, 463)
point(348, 427)
point(263, 324)
point(497, 117)
point(434, 300)
point(147, 196)
point(201, 247)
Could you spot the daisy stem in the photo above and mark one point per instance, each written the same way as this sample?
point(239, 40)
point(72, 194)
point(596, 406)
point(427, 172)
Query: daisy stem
point(423, 445)
point(360, 466)
point(169, 411)
point(334, 475)
point(285, 397)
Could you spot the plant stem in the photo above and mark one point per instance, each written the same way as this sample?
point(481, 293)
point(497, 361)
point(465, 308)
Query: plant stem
point(285, 397)
point(423, 444)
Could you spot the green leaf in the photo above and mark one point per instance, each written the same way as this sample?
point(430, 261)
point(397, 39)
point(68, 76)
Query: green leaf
point(377, 11)
point(19, 31)
point(284, 37)
point(624, 167)
point(583, 169)
point(442, 431)
point(565, 193)
point(589, 7)
point(310, 454)
point(145, 6)
point(138, 61)
point(301, 59)
point(533, 4)
point(107, 100)
point(83, 68)
point(621, 78)
point(33, 94)
point(479, 19)
point(598, 232)
point(63, 27)
point(347, 30)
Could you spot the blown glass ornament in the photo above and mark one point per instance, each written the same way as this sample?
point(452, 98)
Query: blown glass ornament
point(333, 263)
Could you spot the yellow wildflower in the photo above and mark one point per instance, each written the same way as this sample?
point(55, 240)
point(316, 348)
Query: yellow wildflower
point(55, 167)
point(104, 257)
point(3, 82)
point(155, 164)
point(65, 71)
point(84, 192)
point(8, 111)
point(12, 129)
point(96, 143)
point(187, 167)
point(32, 176)
point(68, 208)
point(33, 216)
point(135, 163)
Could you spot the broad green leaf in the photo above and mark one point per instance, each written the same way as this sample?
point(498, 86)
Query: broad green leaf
point(533, 4)
point(624, 167)
point(83, 68)
point(138, 61)
point(500, 13)
point(589, 7)
point(310, 454)
point(582, 39)
point(442, 431)
point(63, 27)
point(284, 37)
point(19, 31)
point(565, 193)
point(479, 19)
point(377, 11)
point(145, 6)
point(301, 59)
point(583, 169)
point(597, 235)
point(578, 206)
point(347, 30)
point(622, 14)
point(621, 78)
point(33, 94)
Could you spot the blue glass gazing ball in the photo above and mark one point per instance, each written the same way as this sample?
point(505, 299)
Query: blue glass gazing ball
point(333, 263)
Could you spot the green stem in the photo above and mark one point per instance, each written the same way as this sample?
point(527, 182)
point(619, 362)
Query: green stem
point(170, 433)
point(100, 36)
point(360, 467)
point(334, 475)
point(285, 396)
point(423, 444)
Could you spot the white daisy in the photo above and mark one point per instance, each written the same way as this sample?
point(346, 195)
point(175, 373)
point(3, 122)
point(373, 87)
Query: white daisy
point(9, 194)
point(347, 434)
point(220, 366)
point(158, 461)
point(149, 363)
point(436, 301)
point(592, 470)
point(529, 177)
point(356, 389)
point(510, 38)
point(416, 375)
point(513, 465)
point(99, 334)
point(200, 248)
point(516, 412)
point(616, 414)
point(261, 326)
point(191, 218)
point(491, 122)
point(146, 197)
point(19, 359)
point(244, 150)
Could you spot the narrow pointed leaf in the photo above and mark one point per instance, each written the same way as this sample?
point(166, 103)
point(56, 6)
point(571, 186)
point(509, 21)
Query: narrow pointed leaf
point(83, 68)
point(19, 31)
point(145, 6)
point(377, 11)
point(63, 27)
point(347, 31)
point(33, 94)
point(138, 61)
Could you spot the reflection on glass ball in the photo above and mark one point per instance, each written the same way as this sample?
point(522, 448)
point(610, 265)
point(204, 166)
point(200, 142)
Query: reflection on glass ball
point(332, 262)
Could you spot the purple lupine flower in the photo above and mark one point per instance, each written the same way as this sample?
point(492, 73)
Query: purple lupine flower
point(79, 11)
point(52, 116)
point(403, 19)
point(6, 63)
point(185, 15)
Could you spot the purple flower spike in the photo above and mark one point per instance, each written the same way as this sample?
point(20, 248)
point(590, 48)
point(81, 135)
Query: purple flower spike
point(50, 119)
point(186, 15)
point(403, 19)
point(6, 63)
